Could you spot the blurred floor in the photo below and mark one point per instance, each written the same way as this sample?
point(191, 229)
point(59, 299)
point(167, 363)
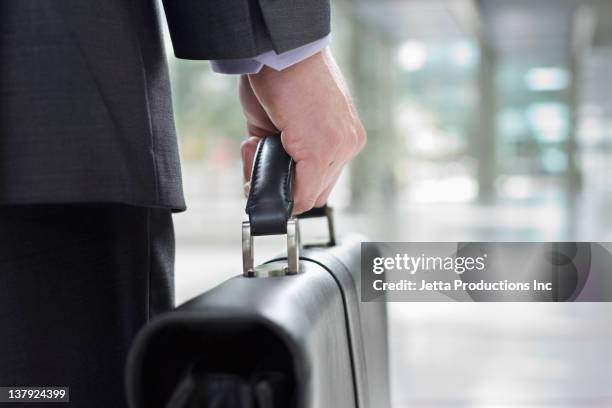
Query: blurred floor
point(454, 354)
point(501, 355)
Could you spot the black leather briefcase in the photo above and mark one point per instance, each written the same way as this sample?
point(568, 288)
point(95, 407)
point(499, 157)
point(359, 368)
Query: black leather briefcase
point(289, 333)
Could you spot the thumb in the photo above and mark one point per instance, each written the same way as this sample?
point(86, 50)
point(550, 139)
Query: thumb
point(248, 148)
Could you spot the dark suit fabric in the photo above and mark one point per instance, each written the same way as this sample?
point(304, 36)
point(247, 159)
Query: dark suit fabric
point(244, 28)
point(85, 110)
point(77, 282)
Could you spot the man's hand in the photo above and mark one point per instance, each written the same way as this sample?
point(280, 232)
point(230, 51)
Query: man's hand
point(309, 103)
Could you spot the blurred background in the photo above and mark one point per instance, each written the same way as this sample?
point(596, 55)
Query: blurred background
point(488, 120)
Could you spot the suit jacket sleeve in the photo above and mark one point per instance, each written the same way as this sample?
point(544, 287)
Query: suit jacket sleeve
point(233, 29)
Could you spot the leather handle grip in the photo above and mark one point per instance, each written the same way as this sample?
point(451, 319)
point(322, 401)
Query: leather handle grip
point(270, 201)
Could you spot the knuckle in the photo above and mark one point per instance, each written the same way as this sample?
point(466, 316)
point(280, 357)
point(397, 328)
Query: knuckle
point(361, 137)
point(335, 136)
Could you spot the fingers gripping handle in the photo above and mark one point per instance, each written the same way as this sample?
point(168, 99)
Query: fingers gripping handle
point(270, 204)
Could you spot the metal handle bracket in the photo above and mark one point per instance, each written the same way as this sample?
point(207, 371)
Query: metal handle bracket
point(293, 252)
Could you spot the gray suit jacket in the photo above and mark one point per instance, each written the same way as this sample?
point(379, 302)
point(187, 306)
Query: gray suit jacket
point(85, 111)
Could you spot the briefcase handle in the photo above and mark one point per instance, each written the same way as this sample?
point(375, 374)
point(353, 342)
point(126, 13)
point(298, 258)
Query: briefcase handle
point(270, 204)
